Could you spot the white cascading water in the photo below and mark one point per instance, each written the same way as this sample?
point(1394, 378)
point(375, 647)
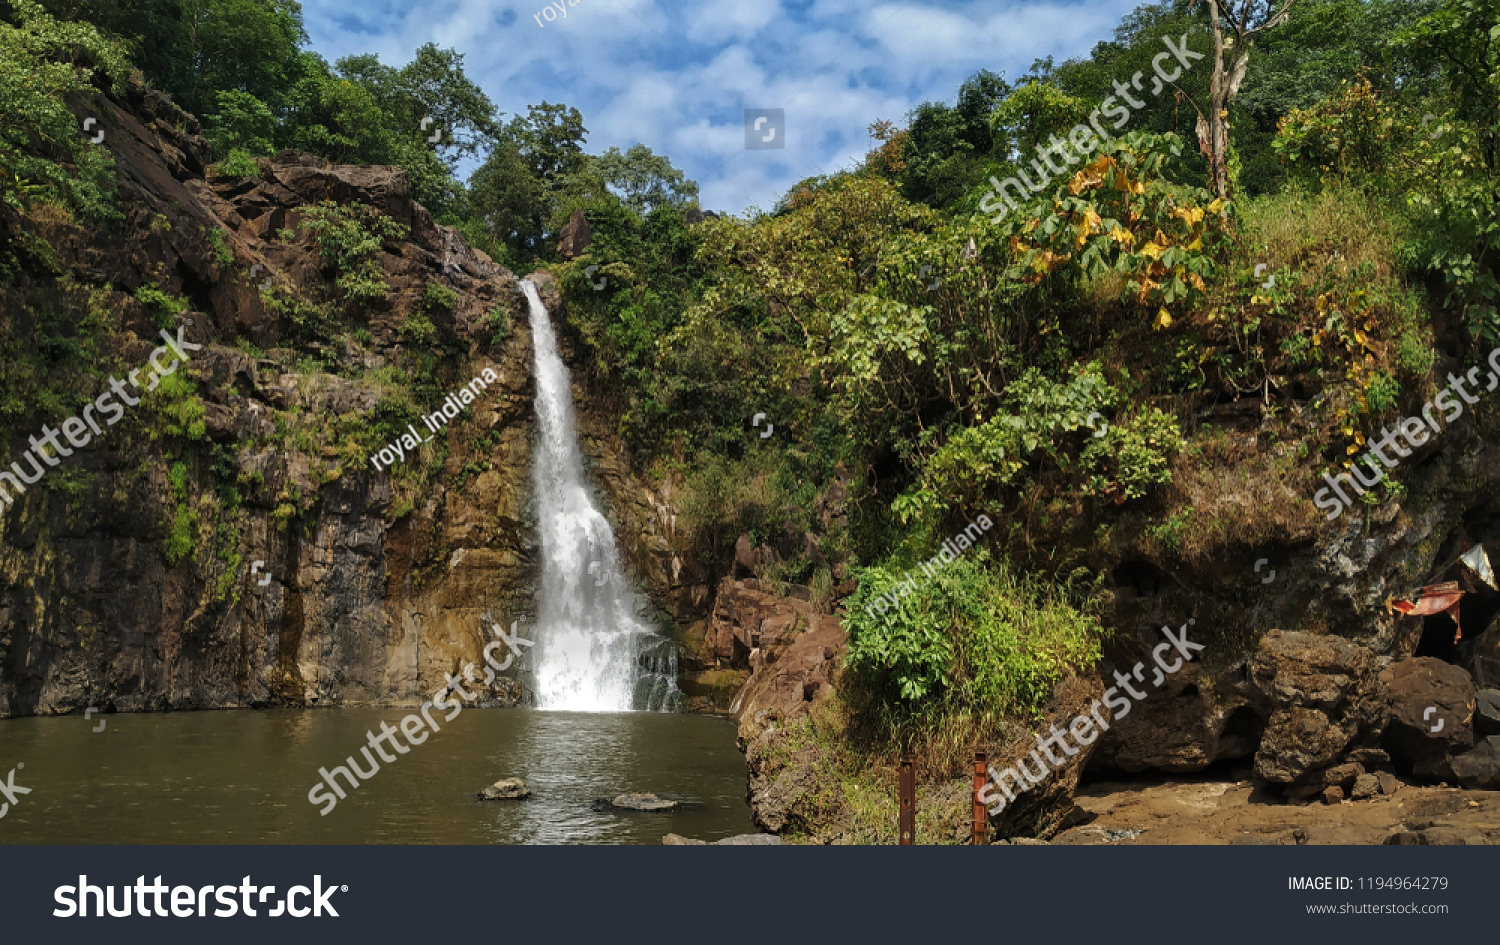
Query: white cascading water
point(592, 655)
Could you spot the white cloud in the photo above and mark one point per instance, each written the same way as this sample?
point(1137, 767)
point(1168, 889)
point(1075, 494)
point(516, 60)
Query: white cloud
point(678, 77)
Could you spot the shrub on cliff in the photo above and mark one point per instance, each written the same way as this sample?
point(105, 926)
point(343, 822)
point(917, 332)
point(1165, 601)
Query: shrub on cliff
point(979, 642)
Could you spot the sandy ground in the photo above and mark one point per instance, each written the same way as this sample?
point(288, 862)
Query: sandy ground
point(1220, 811)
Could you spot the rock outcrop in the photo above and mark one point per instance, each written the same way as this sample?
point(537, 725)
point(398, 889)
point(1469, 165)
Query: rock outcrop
point(370, 580)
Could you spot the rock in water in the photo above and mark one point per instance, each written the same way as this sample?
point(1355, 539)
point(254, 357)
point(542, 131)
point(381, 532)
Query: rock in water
point(508, 790)
point(642, 802)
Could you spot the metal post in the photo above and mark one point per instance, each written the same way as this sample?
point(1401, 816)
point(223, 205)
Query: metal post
point(908, 817)
point(981, 819)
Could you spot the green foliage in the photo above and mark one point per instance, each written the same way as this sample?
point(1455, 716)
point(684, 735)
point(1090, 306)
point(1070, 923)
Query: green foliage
point(242, 125)
point(643, 180)
point(348, 237)
point(498, 321)
point(439, 298)
point(44, 159)
point(238, 164)
point(222, 255)
point(942, 154)
point(1042, 431)
point(418, 329)
point(976, 638)
point(182, 539)
point(177, 408)
point(164, 309)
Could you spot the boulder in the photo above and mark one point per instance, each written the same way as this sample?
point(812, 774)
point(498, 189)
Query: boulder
point(694, 215)
point(1487, 713)
point(575, 236)
point(510, 789)
point(1480, 769)
point(648, 802)
point(1318, 693)
point(1388, 783)
point(1422, 694)
point(1365, 786)
point(1333, 795)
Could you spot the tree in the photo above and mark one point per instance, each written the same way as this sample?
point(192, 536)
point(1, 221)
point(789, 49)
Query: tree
point(550, 139)
point(1254, 17)
point(365, 112)
point(945, 144)
point(643, 180)
point(507, 199)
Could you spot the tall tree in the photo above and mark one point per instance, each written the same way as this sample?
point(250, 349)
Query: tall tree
point(642, 179)
point(1235, 35)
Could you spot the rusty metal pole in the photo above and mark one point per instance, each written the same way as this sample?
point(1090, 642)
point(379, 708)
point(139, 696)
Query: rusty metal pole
point(981, 819)
point(908, 816)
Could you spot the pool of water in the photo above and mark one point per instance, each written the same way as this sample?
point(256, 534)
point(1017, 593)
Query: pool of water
point(244, 777)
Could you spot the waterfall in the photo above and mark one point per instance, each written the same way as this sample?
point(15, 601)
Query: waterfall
point(592, 654)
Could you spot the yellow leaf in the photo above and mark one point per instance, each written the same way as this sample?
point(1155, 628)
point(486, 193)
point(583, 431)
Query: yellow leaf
point(1151, 250)
point(1216, 206)
point(1196, 245)
point(1163, 320)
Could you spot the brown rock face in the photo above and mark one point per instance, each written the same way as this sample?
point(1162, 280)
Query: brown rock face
point(378, 586)
point(1318, 691)
point(1431, 705)
point(575, 237)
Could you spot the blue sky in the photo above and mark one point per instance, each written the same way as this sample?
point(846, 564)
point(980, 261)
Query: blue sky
point(678, 78)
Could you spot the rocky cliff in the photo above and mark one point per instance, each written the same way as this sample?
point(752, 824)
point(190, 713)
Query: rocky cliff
point(230, 542)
